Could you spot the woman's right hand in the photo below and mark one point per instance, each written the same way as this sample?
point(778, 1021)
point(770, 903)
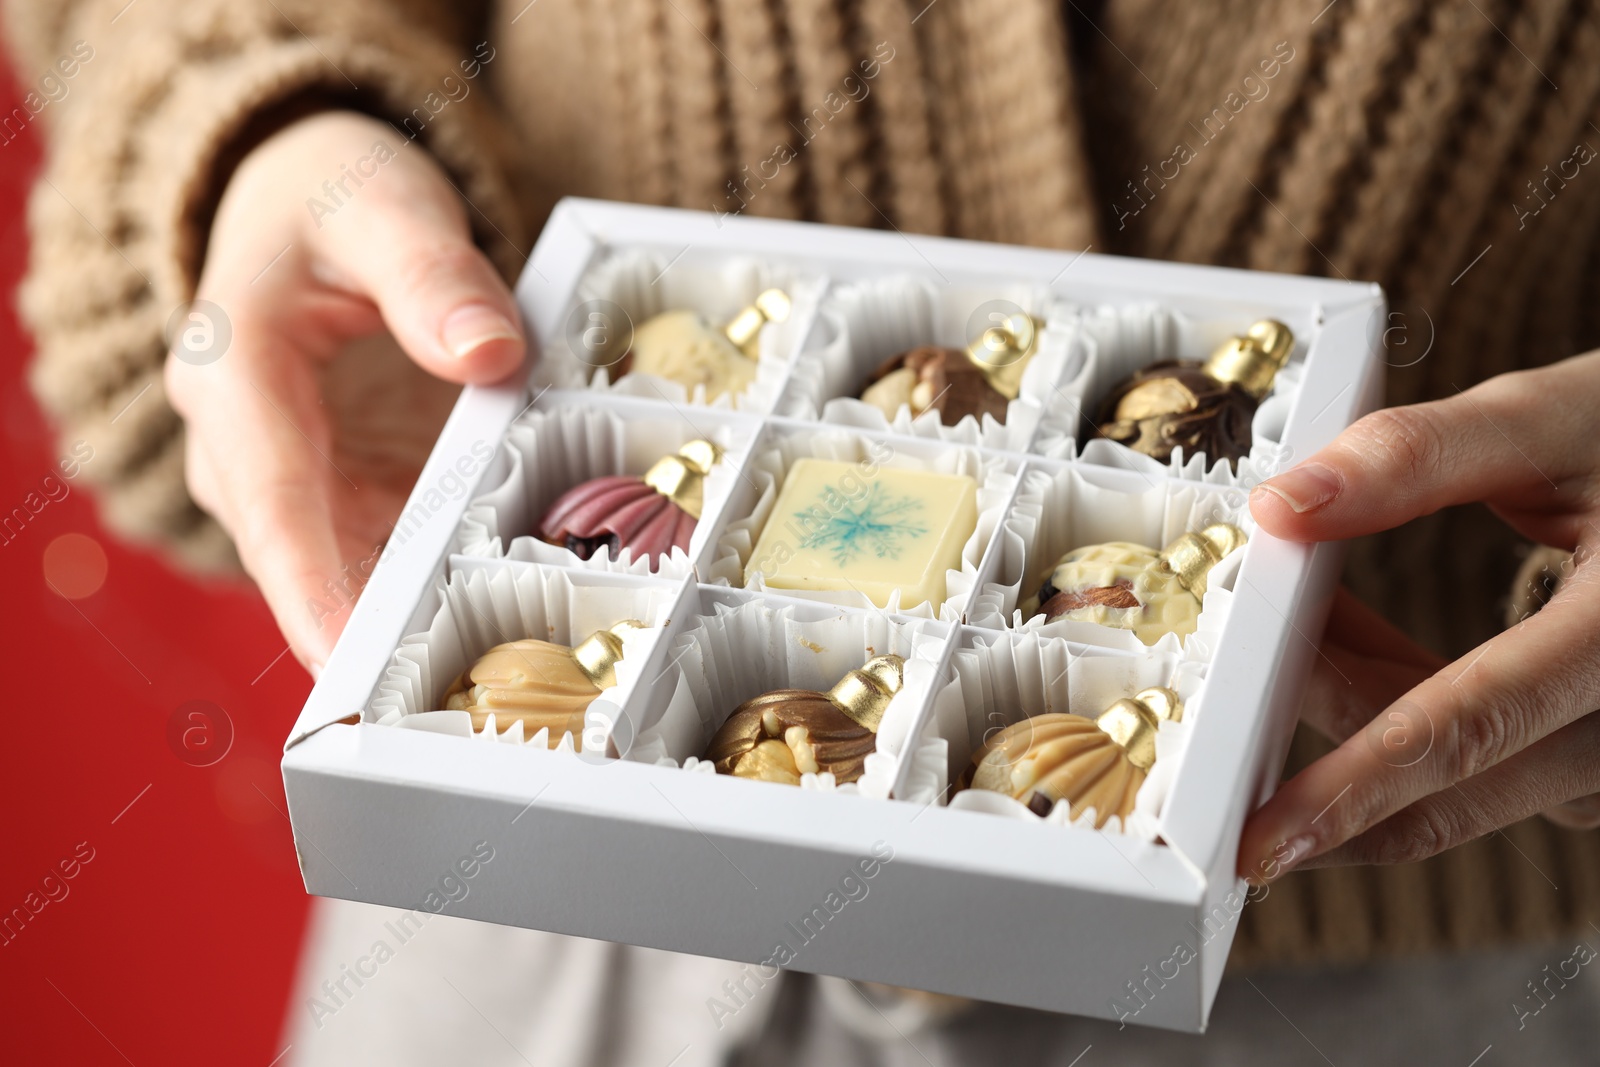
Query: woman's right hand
point(1433, 754)
point(307, 432)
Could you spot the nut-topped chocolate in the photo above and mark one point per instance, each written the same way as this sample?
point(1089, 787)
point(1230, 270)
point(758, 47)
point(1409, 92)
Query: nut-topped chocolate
point(781, 735)
point(541, 684)
point(982, 380)
point(682, 346)
point(651, 515)
point(937, 379)
point(1097, 763)
point(1198, 406)
point(1134, 587)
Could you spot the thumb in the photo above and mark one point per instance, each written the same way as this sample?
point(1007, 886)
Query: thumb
point(408, 248)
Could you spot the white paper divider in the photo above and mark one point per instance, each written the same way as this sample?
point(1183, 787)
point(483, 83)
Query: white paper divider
point(645, 283)
point(571, 437)
point(769, 464)
point(490, 605)
point(996, 680)
point(862, 324)
point(740, 646)
point(1060, 507)
point(1121, 340)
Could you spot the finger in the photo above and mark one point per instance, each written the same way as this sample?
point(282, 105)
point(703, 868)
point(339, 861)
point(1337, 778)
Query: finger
point(1354, 626)
point(1364, 665)
point(259, 429)
point(1580, 814)
point(1504, 440)
point(1564, 765)
point(1509, 693)
point(404, 242)
point(1346, 691)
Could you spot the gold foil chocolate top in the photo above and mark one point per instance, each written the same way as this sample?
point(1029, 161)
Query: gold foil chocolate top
point(1252, 361)
point(744, 329)
point(1132, 722)
point(597, 654)
point(681, 477)
point(864, 694)
point(1002, 352)
point(1191, 557)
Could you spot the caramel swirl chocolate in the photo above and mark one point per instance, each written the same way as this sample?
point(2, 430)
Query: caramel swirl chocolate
point(541, 684)
point(1097, 763)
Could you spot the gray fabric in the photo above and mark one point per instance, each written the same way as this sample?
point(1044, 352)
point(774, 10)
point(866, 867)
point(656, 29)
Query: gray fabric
point(1438, 1012)
point(460, 993)
point(464, 993)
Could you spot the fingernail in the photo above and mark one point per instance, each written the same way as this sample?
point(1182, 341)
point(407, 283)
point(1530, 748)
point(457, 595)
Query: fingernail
point(1305, 488)
point(1281, 860)
point(315, 670)
point(471, 327)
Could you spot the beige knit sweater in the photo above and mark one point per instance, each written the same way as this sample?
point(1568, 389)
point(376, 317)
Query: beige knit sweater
point(1430, 146)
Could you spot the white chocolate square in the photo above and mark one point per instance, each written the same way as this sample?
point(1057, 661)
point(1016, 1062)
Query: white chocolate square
point(868, 528)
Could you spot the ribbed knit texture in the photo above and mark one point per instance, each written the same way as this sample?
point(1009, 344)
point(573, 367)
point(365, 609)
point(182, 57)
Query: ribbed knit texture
point(1391, 143)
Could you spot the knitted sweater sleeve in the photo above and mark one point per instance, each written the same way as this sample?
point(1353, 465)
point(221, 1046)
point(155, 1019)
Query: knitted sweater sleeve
point(140, 136)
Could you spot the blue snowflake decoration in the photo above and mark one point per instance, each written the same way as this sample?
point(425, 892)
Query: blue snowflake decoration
point(879, 523)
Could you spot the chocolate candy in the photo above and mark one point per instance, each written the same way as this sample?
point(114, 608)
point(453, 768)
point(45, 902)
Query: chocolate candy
point(941, 379)
point(1133, 587)
point(682, 346)
point(1097, 763)
point(540, 684)
point(980, 381)
point(650, 515)
point(1200, 407)
point(834, 528)
point(778, 736)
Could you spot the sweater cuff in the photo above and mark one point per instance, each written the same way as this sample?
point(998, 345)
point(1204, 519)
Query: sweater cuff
point(119, 220)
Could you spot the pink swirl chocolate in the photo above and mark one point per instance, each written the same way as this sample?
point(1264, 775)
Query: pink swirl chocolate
point(649, 515)
point(617, 512)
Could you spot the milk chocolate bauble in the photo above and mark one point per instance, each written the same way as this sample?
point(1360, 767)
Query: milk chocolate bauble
point(938, 379)
point(981, 380)
point(778, 736)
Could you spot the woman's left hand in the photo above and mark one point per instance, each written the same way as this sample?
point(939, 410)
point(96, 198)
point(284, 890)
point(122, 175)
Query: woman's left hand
point(1432, 754)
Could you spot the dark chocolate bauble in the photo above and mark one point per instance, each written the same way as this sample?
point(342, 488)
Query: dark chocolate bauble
point(955, 386)
point(617, 512)
point(1173, 404)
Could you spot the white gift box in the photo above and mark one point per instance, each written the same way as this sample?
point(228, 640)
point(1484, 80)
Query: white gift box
point(628, 837)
